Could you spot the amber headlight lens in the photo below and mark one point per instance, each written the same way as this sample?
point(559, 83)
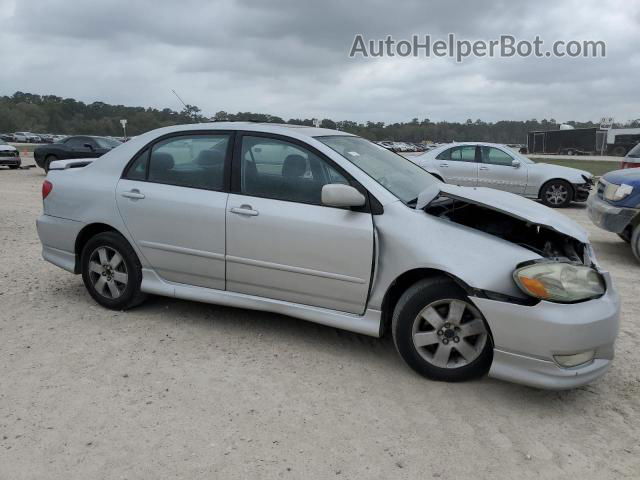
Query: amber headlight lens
point(559, 282)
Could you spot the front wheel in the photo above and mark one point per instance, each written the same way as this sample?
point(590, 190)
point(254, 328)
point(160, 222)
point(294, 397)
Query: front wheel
point(440, 333)
point(556, 194)
point(14, 167)
point(111, 271)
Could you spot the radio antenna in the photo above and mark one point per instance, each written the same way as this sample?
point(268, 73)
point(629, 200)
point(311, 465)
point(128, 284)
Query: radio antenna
point(178, 96)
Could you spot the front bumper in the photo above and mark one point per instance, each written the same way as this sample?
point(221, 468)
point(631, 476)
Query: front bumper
point(10, 161)
point(609, 217)
point(526, 338)
point(581, 191)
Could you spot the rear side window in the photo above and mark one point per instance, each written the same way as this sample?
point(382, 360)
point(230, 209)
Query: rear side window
point(195, 161)
point(138, 169)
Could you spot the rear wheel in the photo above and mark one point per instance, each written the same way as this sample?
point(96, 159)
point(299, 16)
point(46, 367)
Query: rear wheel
point(48, 160)
point(440, 333)
point(14, 167)
point(556, 194)
point(112, 272)
point(626, 234)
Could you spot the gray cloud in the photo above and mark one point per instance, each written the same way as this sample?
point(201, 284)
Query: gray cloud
point(290, 58)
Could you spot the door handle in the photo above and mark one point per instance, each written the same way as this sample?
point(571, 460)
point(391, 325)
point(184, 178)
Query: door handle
point(245, 210)
point(444, 164)
point(484, 168)
point(133, 194)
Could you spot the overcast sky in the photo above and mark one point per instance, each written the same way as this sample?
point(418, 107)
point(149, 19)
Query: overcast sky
point(290, 57)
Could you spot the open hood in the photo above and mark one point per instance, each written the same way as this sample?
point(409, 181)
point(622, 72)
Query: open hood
point(506, 203)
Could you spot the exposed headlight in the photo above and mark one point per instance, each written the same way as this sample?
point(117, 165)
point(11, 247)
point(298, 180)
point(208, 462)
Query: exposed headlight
point(617, 192)
point(559, 282)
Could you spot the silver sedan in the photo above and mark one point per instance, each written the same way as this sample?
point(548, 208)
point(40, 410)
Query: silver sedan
point(331, 228)
point(474, 164)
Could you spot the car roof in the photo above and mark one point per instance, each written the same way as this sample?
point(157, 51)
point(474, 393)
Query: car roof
point(462, 144)
point(281, 128)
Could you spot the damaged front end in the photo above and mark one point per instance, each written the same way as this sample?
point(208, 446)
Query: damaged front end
point(510, 217)
point(566, 271)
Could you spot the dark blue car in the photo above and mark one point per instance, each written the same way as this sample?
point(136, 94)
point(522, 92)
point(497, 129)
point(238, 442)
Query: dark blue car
point(615, 206)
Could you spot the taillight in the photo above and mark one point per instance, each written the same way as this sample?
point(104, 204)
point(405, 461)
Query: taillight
point(47, 186)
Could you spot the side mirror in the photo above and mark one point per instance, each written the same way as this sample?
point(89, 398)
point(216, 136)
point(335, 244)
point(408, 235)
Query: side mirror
point(89, 146)
point(340, 195)
point(515, 163)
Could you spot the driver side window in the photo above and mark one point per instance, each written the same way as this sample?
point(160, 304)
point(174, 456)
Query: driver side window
point(495, 156)
point(281, 170)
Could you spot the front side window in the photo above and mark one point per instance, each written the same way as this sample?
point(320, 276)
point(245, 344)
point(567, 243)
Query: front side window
point(284, 171)
point(195, 161)
point(495, 156)
point(403, 178)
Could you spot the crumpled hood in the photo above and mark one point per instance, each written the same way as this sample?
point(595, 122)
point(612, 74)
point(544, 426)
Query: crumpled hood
point(508, 203)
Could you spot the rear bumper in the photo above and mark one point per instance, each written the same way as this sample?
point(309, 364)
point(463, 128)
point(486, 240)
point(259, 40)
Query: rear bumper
point(526, 339)
point(608, 217)
point(58, 238)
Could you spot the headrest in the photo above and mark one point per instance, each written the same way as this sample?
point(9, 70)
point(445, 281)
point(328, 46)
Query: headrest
point(162, 161)
point(210, 158)
point(294, 166)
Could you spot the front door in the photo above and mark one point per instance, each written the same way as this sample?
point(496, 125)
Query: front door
point(497, 171)
point(173, 203)
point(282, 243)
point(458, 165)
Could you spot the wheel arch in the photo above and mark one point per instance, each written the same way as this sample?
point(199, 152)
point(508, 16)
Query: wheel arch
point(85, 234)
point(402, 283)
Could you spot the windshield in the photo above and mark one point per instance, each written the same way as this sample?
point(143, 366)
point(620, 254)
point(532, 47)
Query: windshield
point(107, 142)
point(395, 173)
point(634, 152)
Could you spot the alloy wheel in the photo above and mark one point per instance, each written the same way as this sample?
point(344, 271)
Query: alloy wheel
point(108, 272)
point(449, 333)
point(557, 194)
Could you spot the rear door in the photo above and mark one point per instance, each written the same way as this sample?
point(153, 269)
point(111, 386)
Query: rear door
point(458, 165)
point(496, 171)
point(172, 199)
point(282, 243)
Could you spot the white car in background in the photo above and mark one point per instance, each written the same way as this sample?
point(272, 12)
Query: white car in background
point(475, 164)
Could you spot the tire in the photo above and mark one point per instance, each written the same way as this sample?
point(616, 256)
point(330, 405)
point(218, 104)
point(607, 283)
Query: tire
point(441, 357)
point(47, 161)
point(569, 152)
point(556, 193)
point(114, 285)
point(626, 234)
point(14, 167)
point(635, 242)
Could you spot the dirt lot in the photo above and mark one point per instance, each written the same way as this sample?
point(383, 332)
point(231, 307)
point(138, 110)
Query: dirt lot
point(175, 389)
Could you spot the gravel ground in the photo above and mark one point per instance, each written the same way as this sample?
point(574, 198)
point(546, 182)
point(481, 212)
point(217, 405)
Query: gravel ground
point(177, 389)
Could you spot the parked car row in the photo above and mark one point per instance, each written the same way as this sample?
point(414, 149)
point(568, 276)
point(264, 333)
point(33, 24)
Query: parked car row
point(403, 146)
point(327, 227)
point(28, 137)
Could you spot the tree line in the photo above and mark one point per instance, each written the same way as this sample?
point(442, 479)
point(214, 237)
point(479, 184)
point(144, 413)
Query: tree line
point(53, 114)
